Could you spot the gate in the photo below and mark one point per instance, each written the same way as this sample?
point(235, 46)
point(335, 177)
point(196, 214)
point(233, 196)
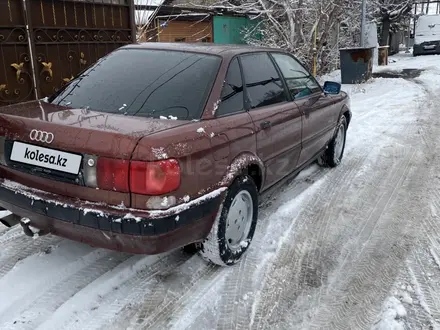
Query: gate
point(45, 43)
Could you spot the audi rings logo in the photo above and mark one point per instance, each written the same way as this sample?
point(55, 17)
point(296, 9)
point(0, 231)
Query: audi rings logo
point(41, 136)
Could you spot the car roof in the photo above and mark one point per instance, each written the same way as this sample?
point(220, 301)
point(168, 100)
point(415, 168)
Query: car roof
point(224, 50)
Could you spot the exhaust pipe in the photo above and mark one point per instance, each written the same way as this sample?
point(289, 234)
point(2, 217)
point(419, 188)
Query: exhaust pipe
point(13, 219)
point(10, 220)
point(29, 230)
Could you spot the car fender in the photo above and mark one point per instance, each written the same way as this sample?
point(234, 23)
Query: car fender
point(239, 164)
point(344, 110)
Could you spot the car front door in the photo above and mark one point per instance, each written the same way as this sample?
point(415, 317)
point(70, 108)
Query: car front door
point(318, 115)
point(277, 120)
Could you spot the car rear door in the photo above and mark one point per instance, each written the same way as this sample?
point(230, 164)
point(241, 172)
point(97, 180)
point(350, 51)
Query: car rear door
point(277, 120)
point(318, 116)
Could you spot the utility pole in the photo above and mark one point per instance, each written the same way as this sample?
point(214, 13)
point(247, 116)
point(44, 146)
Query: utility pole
point(363, 21)
point(408, 37)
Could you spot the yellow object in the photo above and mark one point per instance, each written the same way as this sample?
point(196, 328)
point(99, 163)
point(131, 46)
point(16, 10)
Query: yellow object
point(19, 68)
point(82, 59)
point(47, 67)
point(67, 80)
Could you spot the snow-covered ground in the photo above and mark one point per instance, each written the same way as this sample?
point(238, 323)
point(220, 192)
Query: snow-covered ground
point(356, 247)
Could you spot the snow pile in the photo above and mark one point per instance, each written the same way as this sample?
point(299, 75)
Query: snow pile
point(391, 315)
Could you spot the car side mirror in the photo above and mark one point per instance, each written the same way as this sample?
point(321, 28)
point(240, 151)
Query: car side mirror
point(332, 87)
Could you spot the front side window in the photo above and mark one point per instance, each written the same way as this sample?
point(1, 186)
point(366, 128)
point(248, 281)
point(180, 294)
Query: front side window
point(299, 81)
point(145, 83)
point(263, 83)
point(232, 98)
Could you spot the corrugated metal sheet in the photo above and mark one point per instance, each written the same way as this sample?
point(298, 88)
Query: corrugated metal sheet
point(229, 30)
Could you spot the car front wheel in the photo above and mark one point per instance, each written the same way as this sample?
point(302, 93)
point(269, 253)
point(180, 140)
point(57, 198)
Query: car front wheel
point(235, 224)
point(335, 151)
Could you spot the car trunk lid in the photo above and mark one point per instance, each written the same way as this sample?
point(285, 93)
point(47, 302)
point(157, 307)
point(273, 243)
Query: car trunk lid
point(32, 131)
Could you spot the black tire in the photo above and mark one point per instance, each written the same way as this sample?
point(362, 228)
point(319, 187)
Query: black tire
point(216, 248)
point(332, 157)
point(192, 248)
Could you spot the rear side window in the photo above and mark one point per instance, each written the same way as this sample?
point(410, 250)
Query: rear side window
point(299, 81)
point(147, 83)
point(232, 100)
point(263, 84)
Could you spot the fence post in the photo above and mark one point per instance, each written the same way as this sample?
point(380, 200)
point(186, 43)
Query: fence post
point(32, 52)
point(132, 21)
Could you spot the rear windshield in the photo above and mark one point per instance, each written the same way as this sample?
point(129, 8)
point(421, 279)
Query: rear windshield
point(147, 83)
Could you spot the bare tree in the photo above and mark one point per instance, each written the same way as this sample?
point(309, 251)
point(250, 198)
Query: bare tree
point(143, 16)
point(291, 24)
point(389, 14)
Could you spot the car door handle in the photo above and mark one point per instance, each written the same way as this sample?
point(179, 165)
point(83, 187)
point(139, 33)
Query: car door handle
point(265, 124)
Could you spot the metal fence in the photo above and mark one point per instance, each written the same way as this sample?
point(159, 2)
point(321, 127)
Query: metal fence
point(45, 43)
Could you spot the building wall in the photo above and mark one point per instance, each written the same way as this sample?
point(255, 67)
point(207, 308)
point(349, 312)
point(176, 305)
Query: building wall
point(181, 31)
point(228, 30)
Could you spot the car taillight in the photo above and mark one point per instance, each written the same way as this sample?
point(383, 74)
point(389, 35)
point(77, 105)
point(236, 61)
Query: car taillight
point(146, 178)
point(112, 174)
point(154, 178)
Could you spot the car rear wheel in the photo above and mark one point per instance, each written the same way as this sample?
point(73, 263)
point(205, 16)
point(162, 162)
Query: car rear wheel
point(235, 224)
point(333, 154)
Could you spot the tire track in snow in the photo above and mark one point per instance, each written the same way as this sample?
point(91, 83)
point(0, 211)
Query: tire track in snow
point(314, 279)
point(39, 305)
point(17, 247)
point(423, 269)
point(162, 291)
point(381, 251)
point(424, 276)
point(101, 300)
point(423, 265)
point(177, 315)
point(361, 320)
point(180, 290)
point(297, 255)
point(10, 234)
point(239, 294)
point(235, 308)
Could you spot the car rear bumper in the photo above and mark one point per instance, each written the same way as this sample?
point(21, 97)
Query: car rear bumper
point(427, 48)
point(113, 229)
